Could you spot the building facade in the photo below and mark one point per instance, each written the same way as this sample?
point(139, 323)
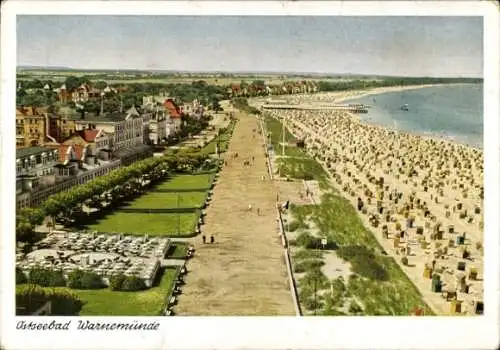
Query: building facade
point(158, 131)
point(31, 127)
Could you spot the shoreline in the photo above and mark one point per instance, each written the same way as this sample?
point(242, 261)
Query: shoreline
point(345, 96)
point(423, 136)
point(342, 96)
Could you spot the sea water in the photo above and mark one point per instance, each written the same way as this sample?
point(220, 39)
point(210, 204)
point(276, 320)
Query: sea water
point(453, 112)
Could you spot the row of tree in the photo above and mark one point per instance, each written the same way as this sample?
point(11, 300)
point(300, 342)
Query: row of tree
point(107, 190)
point(341, 85)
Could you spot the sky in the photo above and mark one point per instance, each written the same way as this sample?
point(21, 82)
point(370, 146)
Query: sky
point(402, 46)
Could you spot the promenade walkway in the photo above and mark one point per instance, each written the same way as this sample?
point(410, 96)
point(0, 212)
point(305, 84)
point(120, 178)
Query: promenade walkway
point(244, 271)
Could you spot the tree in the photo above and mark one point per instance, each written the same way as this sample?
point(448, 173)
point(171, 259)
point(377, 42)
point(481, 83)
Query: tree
point(216, 106)
point(101, 85)
point(72, 83)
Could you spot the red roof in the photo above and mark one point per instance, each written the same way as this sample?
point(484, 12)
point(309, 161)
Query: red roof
point(77, 150)
point(172, 108)
point(88, 135)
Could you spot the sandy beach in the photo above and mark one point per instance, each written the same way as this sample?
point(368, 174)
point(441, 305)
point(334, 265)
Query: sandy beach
point(420, 196)
point(342, 96)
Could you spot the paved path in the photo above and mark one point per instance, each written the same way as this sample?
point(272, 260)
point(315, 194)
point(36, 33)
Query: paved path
point(244, 272)
point(172, 262)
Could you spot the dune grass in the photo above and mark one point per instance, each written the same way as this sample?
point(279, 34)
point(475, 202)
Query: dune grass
point(377, 285)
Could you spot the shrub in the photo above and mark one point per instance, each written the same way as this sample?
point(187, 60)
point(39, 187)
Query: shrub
point(30, 298)
point(338, 285)
point(293, 226)
point(20, 276)
point(133, 283)
point(363, 262)
point(307, 176)
point(307, 265)
point(333, 312)
point(312, 278)
point(75, 279)
point(369, 269)
point(307, 254)
point(312, 304)
point(305, 240)
point(46, 278)
point(116, 282)
point(308, 241)
point(91, 280)
point(355, 308)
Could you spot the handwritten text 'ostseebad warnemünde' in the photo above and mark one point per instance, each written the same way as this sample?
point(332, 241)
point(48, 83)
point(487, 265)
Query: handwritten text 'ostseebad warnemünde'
point(85, 325)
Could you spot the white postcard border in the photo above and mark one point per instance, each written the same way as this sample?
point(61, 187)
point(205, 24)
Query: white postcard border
point(259, 332)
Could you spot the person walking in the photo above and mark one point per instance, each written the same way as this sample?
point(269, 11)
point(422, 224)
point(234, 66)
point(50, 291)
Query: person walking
point(204, 239)
point(212, 239)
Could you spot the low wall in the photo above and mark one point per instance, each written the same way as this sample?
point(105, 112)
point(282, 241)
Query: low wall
point(284, 241)
point(291, 279)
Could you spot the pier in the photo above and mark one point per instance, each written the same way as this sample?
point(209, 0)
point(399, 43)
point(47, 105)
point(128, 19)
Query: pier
point(354, 108)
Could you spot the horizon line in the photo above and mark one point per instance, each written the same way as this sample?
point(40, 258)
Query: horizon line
point(118, 70)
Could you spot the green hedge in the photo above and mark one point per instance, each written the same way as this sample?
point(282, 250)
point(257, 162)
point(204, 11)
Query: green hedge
point(126, 283)
point(20, 276)
point(79, 279)
point(30, 298)
point(46, 278)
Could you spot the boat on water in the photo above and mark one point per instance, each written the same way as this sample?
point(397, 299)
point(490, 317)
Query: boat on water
point(405, 107)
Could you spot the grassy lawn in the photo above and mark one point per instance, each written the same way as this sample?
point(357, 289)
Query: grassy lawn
point(105, 302)
point(302, 168)
point(159, 200)
point(275, 128)
point(296, 164)
point(377, 286)
point(157, 224)
point(223, 142)
point(210, 147)
point(391, 294)
point(177, 250)
point(187, 182)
